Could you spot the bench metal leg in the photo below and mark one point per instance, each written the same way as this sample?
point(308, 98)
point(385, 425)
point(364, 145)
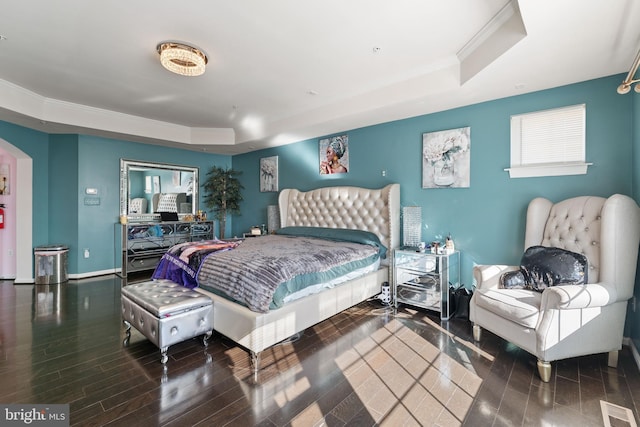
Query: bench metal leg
point(255, 362)
point(127, 330)
point(163, 355)
point(205, 339)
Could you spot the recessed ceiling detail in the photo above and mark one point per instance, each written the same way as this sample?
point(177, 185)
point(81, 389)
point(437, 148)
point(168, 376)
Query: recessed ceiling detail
point(435, 56)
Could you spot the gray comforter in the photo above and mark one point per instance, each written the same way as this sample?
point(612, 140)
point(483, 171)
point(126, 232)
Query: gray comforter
point(262, 270)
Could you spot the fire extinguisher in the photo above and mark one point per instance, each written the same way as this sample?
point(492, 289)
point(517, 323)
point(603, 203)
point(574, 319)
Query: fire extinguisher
point(1, 216)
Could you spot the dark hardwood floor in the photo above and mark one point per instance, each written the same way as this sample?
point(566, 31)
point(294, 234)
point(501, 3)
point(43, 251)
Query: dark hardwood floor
point(63, 344)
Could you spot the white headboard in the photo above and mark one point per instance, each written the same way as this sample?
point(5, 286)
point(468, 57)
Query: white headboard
point(374, 210)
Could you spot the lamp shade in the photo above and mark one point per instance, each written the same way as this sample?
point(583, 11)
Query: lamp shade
point(273, 218)
point(411, 225)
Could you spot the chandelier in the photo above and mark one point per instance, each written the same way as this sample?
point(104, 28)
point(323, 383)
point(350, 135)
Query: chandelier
point(182, 59)
point(625, 87)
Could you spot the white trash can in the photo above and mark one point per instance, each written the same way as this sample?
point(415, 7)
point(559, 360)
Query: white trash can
point(51, 264)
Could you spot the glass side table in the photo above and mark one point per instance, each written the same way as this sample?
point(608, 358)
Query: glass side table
point(423, 279)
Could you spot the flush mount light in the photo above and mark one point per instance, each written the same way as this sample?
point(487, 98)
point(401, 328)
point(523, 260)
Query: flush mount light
point(182, 59)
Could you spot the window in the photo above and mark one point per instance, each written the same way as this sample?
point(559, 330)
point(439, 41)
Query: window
point(549, 143)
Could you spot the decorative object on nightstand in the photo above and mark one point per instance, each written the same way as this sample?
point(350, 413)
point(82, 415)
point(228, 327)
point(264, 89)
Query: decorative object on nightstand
point(255, 231)
point(449, 247)
point(423, 279)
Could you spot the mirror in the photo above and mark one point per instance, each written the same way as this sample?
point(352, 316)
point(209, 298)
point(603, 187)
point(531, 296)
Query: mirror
point(148, 188)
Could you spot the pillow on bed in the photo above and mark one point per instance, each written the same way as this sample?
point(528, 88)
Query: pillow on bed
point(542, 267)
point(337, 234)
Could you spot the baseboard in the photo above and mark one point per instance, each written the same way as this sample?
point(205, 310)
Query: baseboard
point(94, 273)
point(77, 276)
point(636, 354)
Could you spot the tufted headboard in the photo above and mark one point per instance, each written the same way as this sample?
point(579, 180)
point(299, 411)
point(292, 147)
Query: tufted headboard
point(168, 202)
point(374, 210)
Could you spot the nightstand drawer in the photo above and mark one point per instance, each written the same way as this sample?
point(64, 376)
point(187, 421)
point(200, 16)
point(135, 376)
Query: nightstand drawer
point(419, 280)
point(426, 298)
point(418, 261)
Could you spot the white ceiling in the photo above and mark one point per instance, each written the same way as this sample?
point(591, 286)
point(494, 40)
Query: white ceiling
point(282, 71)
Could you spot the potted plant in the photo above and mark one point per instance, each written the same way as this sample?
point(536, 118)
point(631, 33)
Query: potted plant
point(222, 194)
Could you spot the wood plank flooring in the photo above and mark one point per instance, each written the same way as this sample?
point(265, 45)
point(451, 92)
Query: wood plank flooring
point(363, 367)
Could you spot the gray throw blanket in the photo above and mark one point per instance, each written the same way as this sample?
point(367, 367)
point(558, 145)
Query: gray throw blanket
point(251, 273)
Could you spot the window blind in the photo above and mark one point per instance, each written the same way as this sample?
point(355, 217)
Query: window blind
point(548, 139)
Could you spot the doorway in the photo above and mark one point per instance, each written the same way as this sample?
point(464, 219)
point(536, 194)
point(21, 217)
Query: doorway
point(21, 209)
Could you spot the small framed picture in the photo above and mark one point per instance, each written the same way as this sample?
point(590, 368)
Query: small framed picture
point(4, 179)
point(334, 155)
point(156, 184)
point(269, 174)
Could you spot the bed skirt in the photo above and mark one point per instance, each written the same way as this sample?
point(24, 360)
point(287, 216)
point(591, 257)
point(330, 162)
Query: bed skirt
point(258, 331)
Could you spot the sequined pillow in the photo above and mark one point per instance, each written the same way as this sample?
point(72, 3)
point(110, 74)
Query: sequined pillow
point(543, 267)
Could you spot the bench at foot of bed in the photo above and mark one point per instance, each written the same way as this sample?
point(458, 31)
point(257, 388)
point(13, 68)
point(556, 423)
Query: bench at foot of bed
point(166, 313)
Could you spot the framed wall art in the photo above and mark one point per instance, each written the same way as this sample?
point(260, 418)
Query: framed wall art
point(269, 174)
point(334, 155)
point(446, 158)
point(4, 179)
point(156, 184)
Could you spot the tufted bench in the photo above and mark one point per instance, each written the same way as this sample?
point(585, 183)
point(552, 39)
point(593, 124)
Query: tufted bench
point(166, 313)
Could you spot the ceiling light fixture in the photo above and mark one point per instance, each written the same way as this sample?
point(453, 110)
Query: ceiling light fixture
point(625, 87)
point(182, 59)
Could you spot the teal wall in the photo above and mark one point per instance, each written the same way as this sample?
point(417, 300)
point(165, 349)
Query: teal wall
point(98, 167)
point(64, 166)
point(63, 197)
point(486, 220)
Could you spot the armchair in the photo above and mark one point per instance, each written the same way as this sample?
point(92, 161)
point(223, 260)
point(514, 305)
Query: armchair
point(138, 205)
point(569, 320)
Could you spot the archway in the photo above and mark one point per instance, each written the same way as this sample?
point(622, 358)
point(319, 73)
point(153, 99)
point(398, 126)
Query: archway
point(24, 213)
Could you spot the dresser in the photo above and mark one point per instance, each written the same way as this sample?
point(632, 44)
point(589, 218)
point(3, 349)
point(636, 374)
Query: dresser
point(144, 243)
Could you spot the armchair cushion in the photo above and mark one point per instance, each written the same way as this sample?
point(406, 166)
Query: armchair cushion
point(542, 267)
point(521, 306)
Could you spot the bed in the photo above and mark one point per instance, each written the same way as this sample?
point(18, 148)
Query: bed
point(375, 211)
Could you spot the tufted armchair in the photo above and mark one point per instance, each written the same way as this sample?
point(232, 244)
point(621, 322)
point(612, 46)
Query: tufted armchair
point(569, 320)
point(138, 205)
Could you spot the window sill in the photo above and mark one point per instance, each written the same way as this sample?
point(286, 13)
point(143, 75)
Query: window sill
point(548, 170)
